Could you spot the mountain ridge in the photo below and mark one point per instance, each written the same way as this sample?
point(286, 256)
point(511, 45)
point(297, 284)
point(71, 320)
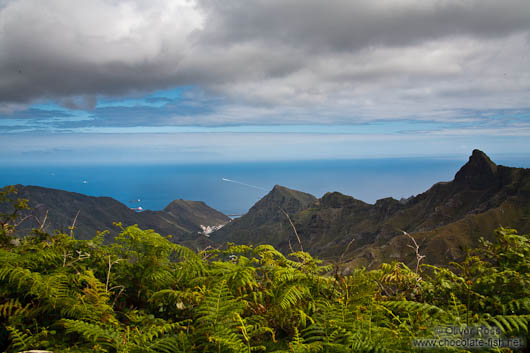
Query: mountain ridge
point(337, 222)
point(446, 219)
point(62, 209)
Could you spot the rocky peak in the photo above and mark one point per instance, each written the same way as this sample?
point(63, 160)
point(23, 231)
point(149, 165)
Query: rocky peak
point(338, 200)
point(478, 173)
point(278, 189)
point(179, 204)
point(287, 199)
point(386, 201)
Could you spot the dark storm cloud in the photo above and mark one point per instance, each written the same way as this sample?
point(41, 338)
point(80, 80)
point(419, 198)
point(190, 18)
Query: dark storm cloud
point(338, 25)
point(340, 59)
point(61, 50)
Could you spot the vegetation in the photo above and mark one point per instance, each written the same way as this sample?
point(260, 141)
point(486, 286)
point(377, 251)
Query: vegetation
point(143, 293)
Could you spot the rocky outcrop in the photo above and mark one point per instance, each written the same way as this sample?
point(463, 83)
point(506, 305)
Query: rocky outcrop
point(478, 173)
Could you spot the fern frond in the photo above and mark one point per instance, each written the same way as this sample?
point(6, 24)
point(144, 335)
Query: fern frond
point(19, 340)
point(157, 331)
point(218, 306)
point(91, 332)
point(172, 344)
point(217, 317)
point(407, 307)
point(511, 324)
point(12, 308)
point(292, 295)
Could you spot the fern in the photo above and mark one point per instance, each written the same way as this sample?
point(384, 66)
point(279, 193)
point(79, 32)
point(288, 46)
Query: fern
point(299, 345)
point(510, 324)
point(12, 309)
point(92, 333)
point(19, 340)
point(145, 294)
point(409, 307)
point(172, 344)
point(293, 294)
point(240, 276)
point(216, 318)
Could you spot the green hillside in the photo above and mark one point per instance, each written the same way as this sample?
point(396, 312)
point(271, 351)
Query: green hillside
point(145, 294)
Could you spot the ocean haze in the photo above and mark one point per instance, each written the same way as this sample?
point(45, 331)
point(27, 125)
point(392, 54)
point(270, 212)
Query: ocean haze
point(157, 185)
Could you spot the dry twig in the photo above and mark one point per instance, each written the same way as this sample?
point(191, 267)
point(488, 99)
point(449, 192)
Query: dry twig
point(416, 248)
point(72, 227)
point(108, 273)
point(294, 228)
point(41, 224)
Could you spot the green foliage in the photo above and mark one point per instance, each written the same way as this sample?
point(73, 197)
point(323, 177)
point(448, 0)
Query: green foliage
point(143, 293)
point(9, 219)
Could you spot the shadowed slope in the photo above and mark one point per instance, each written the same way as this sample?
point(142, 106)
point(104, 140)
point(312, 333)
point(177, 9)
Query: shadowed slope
point(181, 218)
point(265, 220)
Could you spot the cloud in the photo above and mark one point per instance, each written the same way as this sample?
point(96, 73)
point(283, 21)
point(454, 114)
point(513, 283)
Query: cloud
point(88, 102)
point(276, 61)
point(35, 113)
point(173, 148)
point(61, 49)
point(338, 25)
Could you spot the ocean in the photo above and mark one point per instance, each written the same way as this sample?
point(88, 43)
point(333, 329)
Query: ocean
point(233, 188)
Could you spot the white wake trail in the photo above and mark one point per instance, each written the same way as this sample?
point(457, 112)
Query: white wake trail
point(244, 184)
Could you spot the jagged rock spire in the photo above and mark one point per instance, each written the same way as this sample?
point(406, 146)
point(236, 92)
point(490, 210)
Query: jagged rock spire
point(478, 173)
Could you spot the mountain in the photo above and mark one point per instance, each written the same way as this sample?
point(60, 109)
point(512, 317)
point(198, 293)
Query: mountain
point(264, 222)
point(445, 220)
point(181, 218)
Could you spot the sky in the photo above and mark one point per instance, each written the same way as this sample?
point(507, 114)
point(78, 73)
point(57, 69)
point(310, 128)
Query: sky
point(169, 81)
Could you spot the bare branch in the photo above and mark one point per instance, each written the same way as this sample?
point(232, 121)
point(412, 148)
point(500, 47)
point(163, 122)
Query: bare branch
point(16, 224)
point(122, 289)
point(290, 245)
point(80, 256)
point(206, 256)
point(108, 273)
point(383, 288)
point(43, 222)
point(294, 228)
point(416, 248)
point(346, 250)
point(72, 227)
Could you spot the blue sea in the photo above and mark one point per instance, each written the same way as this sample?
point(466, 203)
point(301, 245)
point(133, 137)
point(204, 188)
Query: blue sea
point(154, 186)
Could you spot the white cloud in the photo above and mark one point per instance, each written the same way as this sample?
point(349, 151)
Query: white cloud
point(277, 61)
